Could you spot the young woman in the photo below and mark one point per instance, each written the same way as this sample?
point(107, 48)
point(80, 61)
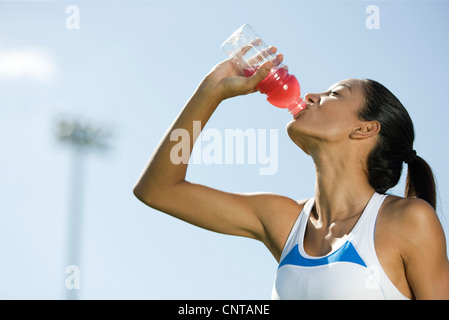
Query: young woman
point(351, 241)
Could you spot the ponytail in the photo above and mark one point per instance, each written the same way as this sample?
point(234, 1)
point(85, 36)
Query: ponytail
point(395, 140)
point(420, 181)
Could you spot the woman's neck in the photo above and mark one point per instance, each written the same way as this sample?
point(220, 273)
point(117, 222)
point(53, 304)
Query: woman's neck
point(342, 189)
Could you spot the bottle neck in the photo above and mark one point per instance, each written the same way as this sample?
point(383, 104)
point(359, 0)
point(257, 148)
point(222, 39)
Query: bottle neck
point(297, 106)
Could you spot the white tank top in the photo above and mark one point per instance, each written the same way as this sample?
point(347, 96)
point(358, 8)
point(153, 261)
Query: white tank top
point(351, 271)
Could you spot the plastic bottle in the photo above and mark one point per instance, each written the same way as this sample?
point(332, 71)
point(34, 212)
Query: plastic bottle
point(249, 52)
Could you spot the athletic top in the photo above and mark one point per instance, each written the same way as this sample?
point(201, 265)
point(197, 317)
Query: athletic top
point(351, 271)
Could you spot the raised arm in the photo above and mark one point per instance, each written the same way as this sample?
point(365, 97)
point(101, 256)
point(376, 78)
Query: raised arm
point(162, 184)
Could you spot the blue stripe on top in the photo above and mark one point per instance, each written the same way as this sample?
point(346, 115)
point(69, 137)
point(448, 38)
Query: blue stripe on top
point(346, 253)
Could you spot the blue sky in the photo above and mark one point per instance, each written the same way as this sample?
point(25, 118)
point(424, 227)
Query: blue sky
point(131, 66)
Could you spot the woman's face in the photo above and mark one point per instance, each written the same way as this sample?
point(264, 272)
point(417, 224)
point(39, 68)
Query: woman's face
point(330, 116)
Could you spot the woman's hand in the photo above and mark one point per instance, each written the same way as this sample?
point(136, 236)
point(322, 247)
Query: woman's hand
point(226, 80)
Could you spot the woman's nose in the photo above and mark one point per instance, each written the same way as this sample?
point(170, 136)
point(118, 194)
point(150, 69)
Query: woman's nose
point(312, 98)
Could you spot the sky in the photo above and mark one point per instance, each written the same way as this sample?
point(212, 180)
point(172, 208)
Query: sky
point(129, 67)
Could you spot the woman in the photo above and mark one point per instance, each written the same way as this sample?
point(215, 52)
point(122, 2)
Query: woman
point(351, 241)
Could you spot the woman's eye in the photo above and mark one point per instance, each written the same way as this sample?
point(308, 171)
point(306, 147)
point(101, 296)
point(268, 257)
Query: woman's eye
point(334, 92)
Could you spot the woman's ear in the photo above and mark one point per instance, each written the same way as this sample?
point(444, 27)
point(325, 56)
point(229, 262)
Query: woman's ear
point(365, 130)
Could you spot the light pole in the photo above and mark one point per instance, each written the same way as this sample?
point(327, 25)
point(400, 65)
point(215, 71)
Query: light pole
point(82, 137)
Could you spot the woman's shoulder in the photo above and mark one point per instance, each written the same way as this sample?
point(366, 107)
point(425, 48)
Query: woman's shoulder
point(408, 218)
point(278, 216)
point(301, 203)
point(407, 209)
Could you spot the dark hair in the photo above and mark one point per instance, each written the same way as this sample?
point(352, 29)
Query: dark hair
point(394, 145)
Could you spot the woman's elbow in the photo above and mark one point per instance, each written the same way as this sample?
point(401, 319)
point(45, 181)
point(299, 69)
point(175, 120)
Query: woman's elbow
point(153, 194)
point(143, 195)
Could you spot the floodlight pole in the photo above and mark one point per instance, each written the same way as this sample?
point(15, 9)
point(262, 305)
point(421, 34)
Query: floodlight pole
point(81, 138)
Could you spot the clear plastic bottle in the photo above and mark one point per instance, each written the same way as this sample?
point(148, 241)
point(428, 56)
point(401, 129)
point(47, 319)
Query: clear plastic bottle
point(249, 52)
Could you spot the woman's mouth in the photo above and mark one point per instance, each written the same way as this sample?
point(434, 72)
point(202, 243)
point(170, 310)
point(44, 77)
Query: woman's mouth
point(297, 115)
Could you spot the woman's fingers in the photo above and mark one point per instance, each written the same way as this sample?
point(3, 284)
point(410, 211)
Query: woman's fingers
point(264, 55)
point(259, 75)
point(259, 56)
point(246, 48)
point(279, 58)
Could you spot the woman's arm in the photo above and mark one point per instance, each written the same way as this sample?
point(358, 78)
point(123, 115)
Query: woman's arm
point(414, 237)
point(162, 184)
point(424, 252)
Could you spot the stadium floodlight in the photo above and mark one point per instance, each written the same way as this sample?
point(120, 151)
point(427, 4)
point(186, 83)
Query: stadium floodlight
point(81, 136)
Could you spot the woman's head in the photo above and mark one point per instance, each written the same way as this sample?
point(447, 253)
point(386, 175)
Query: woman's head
point(330, 116)
point(354, 111)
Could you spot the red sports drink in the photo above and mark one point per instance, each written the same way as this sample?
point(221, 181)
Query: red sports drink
point(250, 52)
